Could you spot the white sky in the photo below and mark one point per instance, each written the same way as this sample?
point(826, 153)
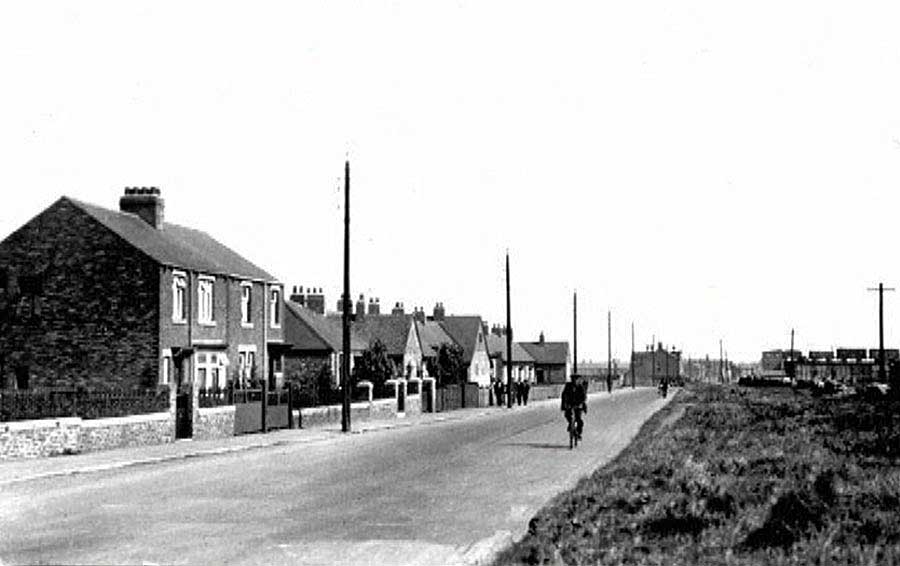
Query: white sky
point(706, 169)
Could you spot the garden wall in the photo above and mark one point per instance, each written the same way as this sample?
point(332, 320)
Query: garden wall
point(214, 422)
point(359, 412)
point(71, 435)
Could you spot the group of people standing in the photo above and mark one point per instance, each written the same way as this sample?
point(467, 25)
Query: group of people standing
point(520, 391)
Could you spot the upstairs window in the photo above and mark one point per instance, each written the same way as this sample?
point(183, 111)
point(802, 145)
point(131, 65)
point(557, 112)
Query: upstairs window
point(179, 293)
point(246, 304)
point(4, 280)
point(205, 288)
point(275, 308)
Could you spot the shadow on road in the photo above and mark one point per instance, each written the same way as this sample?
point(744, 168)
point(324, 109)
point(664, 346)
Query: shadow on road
point(538, 445)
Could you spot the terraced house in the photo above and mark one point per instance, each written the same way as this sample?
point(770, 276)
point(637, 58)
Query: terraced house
point(120, 298)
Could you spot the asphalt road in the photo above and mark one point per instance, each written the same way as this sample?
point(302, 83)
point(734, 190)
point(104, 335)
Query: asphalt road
point(440, 494)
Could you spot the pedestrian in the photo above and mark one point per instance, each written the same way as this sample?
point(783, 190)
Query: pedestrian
point(526, 386)
point(518, 393)
point(498, 392)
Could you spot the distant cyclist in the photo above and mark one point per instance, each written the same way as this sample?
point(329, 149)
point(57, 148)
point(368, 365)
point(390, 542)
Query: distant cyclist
point(574, 404)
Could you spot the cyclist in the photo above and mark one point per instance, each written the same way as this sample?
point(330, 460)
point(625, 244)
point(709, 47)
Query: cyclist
point(574, 403)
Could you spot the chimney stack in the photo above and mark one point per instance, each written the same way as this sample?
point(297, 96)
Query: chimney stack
point(419, 314)
point(361, 307)
point(315, 299)
point(145, 202)
point(298, 296)
point(375, 306)
point(542, 337)
point(398, 309)
point(439, 312)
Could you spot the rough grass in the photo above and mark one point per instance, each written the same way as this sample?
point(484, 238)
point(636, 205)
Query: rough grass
point(745, 476)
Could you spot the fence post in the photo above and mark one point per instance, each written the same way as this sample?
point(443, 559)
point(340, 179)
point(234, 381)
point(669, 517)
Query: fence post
point(264, 405)
point(290, 388)
point(428, 385)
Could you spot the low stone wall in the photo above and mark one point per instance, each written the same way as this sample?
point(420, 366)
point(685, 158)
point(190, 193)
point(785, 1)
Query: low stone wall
point(359, 412)
point(214, 422)
point(413, 405)
point(122, 432)
point(71, 435)
point(36, 439)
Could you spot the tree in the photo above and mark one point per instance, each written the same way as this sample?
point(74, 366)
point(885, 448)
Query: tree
point(374, 365)
point(449, 368)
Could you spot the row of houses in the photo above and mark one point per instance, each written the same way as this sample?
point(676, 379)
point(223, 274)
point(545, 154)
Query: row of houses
point(98, 298)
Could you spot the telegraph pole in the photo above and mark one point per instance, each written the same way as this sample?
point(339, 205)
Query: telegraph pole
point(509, 355)
point(721, 367)
point(345, 319)
point(609, 351)
point(575, 333)
point(791, 354)
point(508, 340)
point(882, 372)
point(632, 355)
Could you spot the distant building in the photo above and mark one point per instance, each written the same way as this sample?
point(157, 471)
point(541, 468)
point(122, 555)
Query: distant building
point(551, 360)
point(653, 365)
point(522, 362)
point(773, 360)
point(850, 366)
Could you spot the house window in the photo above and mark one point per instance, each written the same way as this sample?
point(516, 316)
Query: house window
point(210, 367)
point(246, 363)
point(179, 293)
point(4, 280)
point(277, 364)
point(167, 368)
point(275, 308)
point(246, 304)
point(205, 300)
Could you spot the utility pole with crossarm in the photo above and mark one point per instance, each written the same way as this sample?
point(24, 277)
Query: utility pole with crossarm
point(882, 372)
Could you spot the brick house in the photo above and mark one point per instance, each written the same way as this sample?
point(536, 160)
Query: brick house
point(397, 331)
point(522, 362)
point(551, 360)
point(655, 364)
point(102, 298)
point(314, 341)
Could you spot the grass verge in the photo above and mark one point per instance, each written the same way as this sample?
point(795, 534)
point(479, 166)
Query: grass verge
point(742, 476)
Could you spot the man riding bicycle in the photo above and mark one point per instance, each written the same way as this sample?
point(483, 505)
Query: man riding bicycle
point(574, 403)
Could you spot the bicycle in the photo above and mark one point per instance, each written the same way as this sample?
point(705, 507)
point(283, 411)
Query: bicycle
point(573, 435)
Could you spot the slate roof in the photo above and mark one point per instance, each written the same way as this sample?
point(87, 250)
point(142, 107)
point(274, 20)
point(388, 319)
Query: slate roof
point(305, 329)
point(432, 335)
point(551, 353)
point(464, 331)
point(174, 245)
point(391, 329)
point(497, 347)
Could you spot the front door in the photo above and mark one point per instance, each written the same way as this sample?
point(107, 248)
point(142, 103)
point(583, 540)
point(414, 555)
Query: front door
point(184, 406)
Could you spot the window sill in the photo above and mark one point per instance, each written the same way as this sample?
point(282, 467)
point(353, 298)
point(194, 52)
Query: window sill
point(275, 327)
point(179, 321)
point(247, 325)
point(209, 324)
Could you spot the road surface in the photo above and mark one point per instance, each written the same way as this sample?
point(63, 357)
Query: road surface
point(451, 492)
